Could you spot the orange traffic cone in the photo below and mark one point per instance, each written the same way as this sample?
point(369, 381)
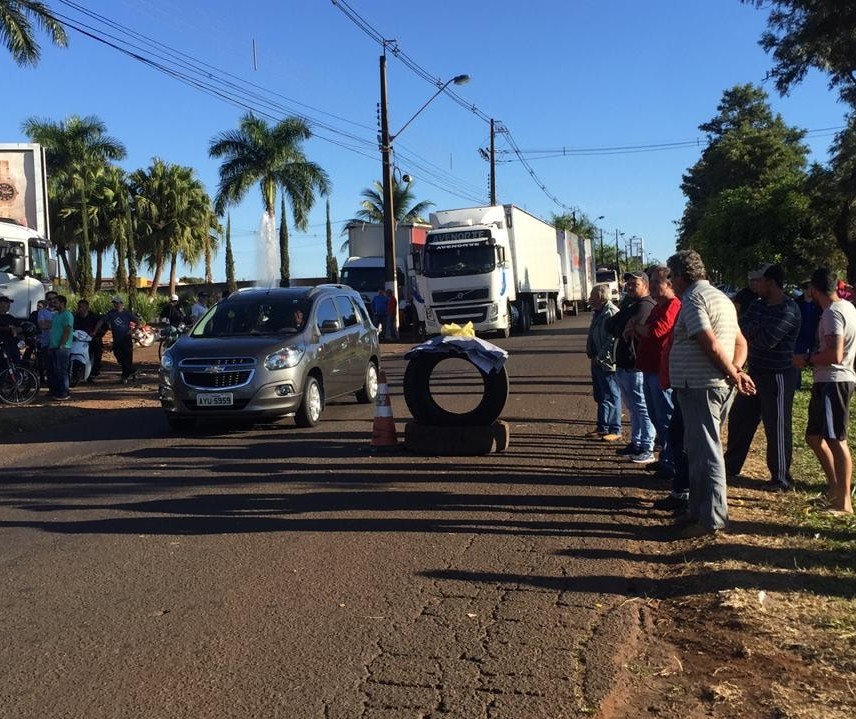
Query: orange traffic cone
point(383, 432)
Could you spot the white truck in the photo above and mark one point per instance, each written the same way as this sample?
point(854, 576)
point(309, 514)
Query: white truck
point(27, 262)
point(577, 268)
point(609, 276)
point(365, 270)
point(494, 266)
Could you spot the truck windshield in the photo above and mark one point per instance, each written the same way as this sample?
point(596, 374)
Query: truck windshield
point(364, 279)
point(452, 260)
point(607, 276)
point(39, 256)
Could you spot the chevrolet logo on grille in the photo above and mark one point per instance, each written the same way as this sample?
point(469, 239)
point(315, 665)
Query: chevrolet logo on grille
point(215, 369)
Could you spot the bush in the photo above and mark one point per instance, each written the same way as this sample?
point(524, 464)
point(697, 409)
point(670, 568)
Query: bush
point(148, 308)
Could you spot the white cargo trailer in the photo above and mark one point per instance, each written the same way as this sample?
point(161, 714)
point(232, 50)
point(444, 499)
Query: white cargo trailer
point(577, 268)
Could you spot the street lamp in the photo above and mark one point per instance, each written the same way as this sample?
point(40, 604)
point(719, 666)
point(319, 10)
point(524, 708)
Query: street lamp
point(386, 140)
point(600, 229)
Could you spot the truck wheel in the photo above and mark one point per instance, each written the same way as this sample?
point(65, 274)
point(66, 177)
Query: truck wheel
point(420, 402)
point(524, 321)
point(560, 312)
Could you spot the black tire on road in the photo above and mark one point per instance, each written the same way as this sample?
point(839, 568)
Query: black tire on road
point(420, 402)
point(368, 393)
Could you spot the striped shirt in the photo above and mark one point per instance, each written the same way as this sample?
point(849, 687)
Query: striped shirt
point(771, 331)
point(703, 307)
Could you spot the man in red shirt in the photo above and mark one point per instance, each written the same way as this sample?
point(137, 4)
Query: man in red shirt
point(653, 341)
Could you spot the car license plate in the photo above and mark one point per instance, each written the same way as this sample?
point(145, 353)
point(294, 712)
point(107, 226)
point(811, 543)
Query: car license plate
point(222, 399)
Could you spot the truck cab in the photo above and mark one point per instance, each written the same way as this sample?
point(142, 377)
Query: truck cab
point(26, 266)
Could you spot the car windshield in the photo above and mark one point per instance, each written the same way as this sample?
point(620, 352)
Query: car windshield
point(263, 316)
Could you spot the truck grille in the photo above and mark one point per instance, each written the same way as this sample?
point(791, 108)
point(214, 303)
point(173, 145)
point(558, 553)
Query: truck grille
point(480, 293)
point(217, 372)
point(462, 315)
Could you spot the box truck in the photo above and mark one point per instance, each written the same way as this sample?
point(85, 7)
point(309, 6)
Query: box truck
point(494, 266)
point(365, 269)
point(577, 268)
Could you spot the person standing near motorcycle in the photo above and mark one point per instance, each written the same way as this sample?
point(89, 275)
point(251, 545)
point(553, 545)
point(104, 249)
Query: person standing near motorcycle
point(62, 326)
point(44, 319)
point(9, 329)
point(120, 322)
point(86, 320)
point(172, 313)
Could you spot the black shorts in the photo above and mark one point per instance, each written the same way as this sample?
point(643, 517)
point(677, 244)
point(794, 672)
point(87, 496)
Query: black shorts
point(829, 410)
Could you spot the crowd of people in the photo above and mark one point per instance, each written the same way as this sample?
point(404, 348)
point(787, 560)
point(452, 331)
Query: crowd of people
point(685, 360)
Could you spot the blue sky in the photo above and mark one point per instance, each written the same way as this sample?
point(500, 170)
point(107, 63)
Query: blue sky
point(576, 74)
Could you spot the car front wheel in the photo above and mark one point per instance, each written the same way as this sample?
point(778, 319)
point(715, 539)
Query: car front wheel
point(309, 413)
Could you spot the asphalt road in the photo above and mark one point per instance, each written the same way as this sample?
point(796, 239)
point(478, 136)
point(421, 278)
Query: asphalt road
point(270, 571)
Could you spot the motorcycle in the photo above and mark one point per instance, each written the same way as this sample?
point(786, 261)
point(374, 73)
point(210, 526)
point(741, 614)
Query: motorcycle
point(143, 335)
point(80, 363)
point(168, 336)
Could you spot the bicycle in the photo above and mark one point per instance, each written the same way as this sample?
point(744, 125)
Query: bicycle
point(18, 385)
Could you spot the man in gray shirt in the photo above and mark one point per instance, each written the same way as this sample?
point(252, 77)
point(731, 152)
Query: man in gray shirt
point(708, 352)
point(834, 381)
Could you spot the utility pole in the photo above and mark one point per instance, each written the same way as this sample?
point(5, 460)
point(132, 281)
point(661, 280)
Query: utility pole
point(388, 210)
point(492, 163)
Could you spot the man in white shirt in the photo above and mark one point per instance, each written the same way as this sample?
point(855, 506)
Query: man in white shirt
point(200, 308)
point(834, 381)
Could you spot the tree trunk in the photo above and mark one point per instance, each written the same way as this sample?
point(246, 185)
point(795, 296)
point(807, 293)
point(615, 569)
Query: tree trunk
point(231, 285)
point(84, 261)
point(130, 246)
point(70, 277)
point(159, 262)
point(99, 266)
point(173, 273)
point(121, 278)
point(284, 267)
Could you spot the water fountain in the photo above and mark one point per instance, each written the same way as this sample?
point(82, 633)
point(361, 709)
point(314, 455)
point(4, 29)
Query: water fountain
point(267, 255)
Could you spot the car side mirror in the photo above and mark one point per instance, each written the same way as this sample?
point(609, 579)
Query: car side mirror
point(328, 326)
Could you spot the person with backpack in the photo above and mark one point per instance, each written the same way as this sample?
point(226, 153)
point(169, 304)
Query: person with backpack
point(640, 449)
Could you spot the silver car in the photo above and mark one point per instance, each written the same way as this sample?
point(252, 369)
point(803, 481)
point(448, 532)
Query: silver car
point(269, 352)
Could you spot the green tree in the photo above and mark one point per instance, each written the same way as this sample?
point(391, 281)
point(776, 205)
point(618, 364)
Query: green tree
point(17, 33)
point(231, 284)
point(806, 34)
point(746, 198)
point(173, 218)
point(332, 262)
point(272, 158)
point(406, 209)
point(78, 151)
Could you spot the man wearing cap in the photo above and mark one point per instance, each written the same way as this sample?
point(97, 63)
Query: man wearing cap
point(622, 326)
point(705, 367)
point(9, 328)
point(121, 321)
point(171, 314)
point(200, 308)
point(834, 382)
point(771, 325)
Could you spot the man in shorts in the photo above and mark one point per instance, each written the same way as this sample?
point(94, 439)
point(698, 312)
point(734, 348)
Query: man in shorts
point(834, 380)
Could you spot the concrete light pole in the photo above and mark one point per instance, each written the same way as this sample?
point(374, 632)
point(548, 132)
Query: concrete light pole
point(386, 140)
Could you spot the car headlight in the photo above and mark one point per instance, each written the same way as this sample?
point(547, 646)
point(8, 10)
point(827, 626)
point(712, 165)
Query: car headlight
point(286, 357)
point(167, 361)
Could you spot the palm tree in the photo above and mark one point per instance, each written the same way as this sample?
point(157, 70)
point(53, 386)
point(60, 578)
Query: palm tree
point(271, 157)
point(78, 151)
point(404, 209)
point(173, 218)
point(16, 29)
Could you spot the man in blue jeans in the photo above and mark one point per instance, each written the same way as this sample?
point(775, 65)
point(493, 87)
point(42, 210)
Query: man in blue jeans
point(599, 349)
point(705, 368)
point(59, 349)
point(640, 449)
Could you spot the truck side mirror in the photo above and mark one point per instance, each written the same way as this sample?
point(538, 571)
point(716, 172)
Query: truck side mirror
point(51, 267)
point(500, 254)
point(18, 266)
